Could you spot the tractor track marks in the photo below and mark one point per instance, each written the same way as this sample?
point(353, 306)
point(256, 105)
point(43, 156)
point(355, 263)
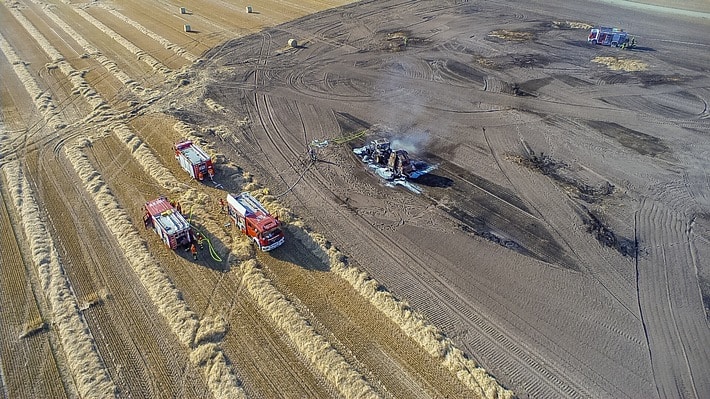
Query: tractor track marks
point(141, 359)
point(276, 133)
point(499, 343)
point(27, 365)
point(372, 344)
point(275, 369)
point(669, 301)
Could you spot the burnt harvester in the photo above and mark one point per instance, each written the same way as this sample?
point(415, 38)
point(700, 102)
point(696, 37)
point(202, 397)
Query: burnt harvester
point(389, 163)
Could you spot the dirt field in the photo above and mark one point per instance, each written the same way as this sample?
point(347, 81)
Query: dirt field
point(559, 248)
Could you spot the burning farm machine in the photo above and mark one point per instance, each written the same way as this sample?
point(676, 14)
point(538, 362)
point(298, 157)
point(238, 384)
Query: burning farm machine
point(393, 165)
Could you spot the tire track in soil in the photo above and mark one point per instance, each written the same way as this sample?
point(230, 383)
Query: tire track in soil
point(27, 364)
point(669, 300)
point(33, 55)
point(73, 254)
point(369, 341)
point(192, 278)
point(73, 106)
point(385, 244)
point(106, 45)
point(604, 268)
point(618, 284)
point(142, 360)
point(262, 371)
point(134, 37)
point(554, 230)
point(525, 358)
point(270, 122)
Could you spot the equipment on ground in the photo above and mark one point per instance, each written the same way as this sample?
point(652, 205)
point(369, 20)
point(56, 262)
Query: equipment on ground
point(170, 225)
point(396, 162)
point(250, 216)
point(613, 37)
point(194, 160)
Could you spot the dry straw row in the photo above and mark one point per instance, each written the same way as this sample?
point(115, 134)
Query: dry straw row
point(146, 158)
point(412, 322)
point(85, 364)
point(92, 51)
point(165, 42)
point(42, 99)
point(321, 354)
point(142, 55)
point(74, 76)
point(140, 151)
point(163, 293)
point(218, 374)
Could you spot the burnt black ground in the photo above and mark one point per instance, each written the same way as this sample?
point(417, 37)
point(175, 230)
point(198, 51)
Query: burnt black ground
point(555, 311)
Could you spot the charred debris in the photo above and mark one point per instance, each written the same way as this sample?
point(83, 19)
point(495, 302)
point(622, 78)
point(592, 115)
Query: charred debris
point(559, 173)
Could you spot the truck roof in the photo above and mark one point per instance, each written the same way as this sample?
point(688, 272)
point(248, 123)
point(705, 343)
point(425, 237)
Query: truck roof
point(608, 29)
point(192, 152)
point(252, 209)
point(166, 216)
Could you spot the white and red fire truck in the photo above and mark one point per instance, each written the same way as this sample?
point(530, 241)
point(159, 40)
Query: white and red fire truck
point(170, 225)
point(255, 221)
point(613, 37)
point(194, 160)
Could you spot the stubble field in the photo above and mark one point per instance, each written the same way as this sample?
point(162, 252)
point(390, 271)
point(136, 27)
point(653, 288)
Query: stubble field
point(559, 249)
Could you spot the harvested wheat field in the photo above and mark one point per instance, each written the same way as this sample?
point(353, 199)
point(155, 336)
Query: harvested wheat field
point(553, 241)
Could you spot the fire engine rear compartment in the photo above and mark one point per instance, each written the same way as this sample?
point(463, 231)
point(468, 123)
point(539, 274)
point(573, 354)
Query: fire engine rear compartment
point(194, 160)
point(168, 223)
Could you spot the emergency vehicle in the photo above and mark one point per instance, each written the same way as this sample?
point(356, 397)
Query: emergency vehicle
point(613, 37)
point(194, 160)
point(170, 224)
point(255, 221)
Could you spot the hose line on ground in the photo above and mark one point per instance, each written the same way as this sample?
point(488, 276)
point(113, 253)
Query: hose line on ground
point(213, 253)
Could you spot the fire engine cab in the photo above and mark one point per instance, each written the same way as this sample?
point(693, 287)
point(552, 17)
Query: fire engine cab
point(255, 221)
point(170, 225)
point(194, 160)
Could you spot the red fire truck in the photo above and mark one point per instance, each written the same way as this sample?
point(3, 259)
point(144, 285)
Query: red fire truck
point(170, 225)
point(194, 160)
point(255, 221)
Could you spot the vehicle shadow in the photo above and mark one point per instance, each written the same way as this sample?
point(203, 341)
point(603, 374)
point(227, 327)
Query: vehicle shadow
point(434, 180)
point(299, 248)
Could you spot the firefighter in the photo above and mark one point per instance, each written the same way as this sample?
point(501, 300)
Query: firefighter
point(200, 241)
point(193, 251)
point(312, 154)
point(178, 207)
point(146, 219)
point(221, 205)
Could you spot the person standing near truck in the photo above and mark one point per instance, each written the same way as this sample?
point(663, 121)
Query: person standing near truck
point(200, 241)
point(193, 250)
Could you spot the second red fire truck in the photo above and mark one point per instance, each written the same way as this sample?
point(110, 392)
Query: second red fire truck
point(194, 160)
point(255, 221)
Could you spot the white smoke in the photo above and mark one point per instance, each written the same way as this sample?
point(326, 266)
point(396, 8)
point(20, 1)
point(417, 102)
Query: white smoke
point(412, 142)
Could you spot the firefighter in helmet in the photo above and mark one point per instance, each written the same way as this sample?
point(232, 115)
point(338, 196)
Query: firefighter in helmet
point(200, 240)
point(193, 251)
